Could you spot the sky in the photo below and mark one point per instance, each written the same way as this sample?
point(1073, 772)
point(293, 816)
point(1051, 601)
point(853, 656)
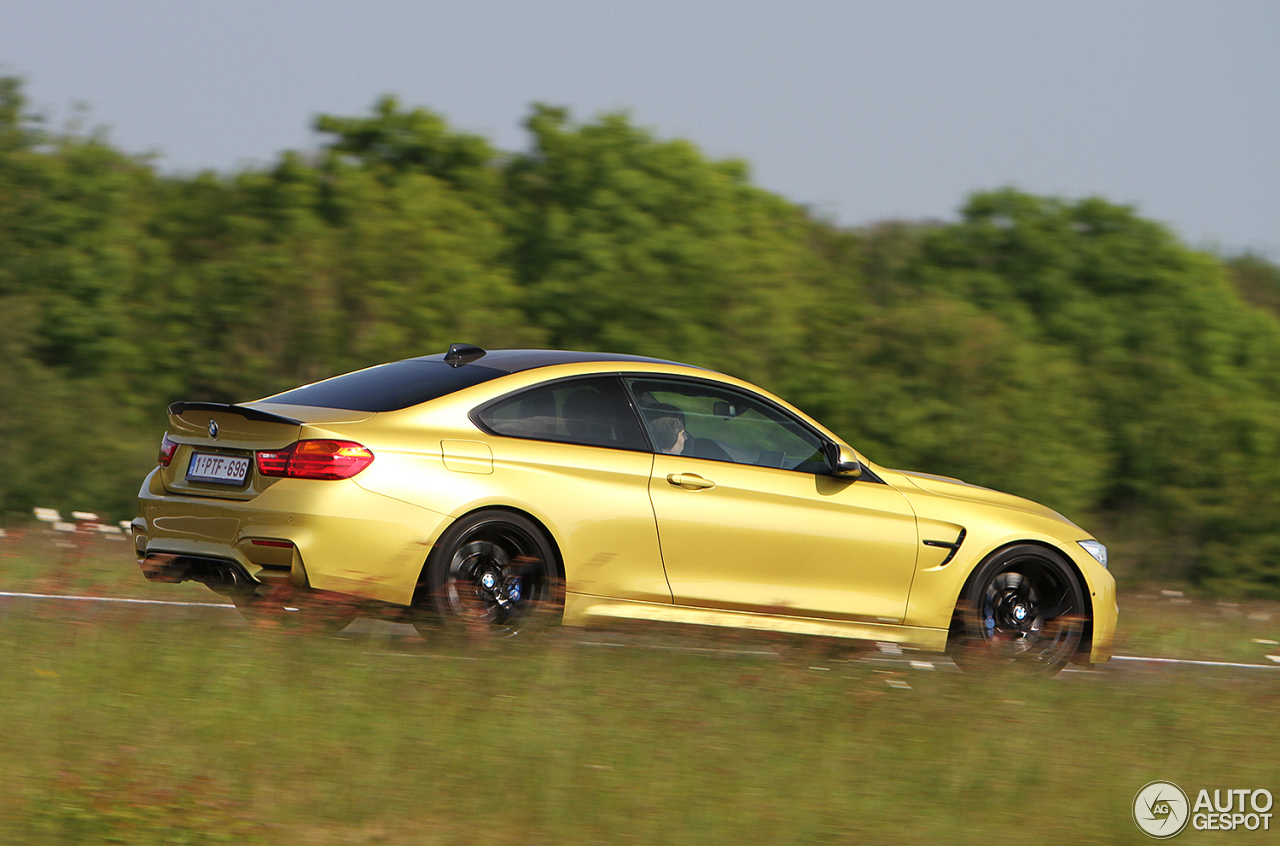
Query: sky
point(862, 111)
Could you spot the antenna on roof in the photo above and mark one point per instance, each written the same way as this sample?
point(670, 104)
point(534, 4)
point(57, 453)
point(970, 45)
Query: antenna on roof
point(460, 354)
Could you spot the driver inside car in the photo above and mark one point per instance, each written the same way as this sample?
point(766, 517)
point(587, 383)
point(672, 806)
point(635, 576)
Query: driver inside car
point(666, 425)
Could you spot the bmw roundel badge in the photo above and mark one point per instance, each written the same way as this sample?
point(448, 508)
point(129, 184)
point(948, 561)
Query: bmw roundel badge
point(213, 428)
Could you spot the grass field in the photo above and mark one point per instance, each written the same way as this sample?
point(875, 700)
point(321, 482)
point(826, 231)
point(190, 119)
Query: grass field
point(141, 725)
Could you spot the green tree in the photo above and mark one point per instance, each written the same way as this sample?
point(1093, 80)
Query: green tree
point(70, 237)
point(628, 243)
point(1257, 281)
point(1069, 351)
point(1183, 373)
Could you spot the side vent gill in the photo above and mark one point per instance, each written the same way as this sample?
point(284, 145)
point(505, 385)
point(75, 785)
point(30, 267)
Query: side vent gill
point(954, 547)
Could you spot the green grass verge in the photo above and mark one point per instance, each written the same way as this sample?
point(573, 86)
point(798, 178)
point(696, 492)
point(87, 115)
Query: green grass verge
point(128, 725)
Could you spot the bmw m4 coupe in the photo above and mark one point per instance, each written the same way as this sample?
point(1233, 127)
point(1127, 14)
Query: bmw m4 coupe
point(497, 489)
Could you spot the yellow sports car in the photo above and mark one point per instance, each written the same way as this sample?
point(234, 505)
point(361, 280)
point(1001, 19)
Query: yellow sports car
point(497, 488)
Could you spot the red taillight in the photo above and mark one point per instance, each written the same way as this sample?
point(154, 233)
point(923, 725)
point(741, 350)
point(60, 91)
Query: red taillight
point(275, 463)
point(315, 460)
point(167, 449)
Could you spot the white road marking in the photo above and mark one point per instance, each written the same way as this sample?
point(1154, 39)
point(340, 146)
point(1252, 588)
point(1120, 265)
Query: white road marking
point(425, 655)
point(113, 599)
point(699, 649)
point(1189, 661)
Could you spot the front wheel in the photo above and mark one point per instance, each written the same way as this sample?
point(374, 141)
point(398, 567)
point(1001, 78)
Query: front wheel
point(492, 573)
point(1025, 608)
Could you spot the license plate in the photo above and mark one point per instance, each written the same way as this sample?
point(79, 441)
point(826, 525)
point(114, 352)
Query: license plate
point(223, 469)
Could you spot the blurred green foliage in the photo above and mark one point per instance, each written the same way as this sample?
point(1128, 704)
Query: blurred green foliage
point(1068, 351)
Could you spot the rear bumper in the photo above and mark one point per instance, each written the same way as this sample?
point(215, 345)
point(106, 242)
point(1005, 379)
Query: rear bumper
point(327, 535)
point(220, 575)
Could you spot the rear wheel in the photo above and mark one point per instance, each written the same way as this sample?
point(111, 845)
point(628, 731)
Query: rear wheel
point(493, 573)
point(1023, 608)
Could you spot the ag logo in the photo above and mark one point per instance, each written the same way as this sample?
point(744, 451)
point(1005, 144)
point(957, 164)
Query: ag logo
point(1161, 809)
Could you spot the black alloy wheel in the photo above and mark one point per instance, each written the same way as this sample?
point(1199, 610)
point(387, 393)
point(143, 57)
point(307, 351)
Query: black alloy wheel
point(1025, 608)
point(494, 574)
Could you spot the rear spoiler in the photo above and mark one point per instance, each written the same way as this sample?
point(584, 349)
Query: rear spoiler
point(179, 408)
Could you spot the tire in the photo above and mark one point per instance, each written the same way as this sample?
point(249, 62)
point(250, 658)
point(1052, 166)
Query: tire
point(1024, 608)
point(492, 574)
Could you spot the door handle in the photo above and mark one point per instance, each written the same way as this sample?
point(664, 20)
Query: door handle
point(690, 481)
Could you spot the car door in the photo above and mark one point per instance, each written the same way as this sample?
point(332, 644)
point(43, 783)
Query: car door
point(574, 448)
point(749, 517)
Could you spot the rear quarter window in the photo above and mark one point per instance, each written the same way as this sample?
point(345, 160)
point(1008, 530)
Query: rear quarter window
point(590, 412)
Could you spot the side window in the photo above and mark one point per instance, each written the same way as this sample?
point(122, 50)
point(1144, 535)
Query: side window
point(707, 421)
point(592, 412)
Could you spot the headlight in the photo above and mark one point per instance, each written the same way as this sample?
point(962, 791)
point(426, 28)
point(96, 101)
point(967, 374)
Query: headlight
point(1095, 549)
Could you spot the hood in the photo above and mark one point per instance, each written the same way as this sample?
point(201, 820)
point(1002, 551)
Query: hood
point(946, 486)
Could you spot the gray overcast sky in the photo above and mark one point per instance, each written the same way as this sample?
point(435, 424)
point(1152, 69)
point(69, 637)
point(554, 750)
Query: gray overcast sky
point(862, 110)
